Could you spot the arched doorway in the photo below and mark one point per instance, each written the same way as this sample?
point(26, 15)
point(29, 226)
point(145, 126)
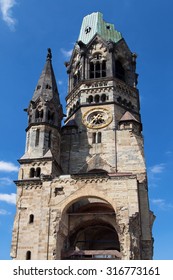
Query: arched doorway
point(92, 231)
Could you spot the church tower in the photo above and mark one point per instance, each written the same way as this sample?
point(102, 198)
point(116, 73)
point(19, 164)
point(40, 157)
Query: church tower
point(82, 187)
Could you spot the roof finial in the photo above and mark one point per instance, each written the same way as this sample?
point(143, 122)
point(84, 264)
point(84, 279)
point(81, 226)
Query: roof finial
point(49, 54)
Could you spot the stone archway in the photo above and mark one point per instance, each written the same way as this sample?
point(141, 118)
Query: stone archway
point(92, 233)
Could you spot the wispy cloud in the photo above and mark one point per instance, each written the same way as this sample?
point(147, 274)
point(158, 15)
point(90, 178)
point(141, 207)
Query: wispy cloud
point(154, 174)
point(8, 167)
point(60, 82)
point(158, 168)
point(162, 204)
point(5, 181)
point(8, 198)
point(4, 212)
point(6, 10)
point(66, 53)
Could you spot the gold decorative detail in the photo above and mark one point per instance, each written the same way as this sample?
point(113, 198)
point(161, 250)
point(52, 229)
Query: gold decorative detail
point(97, 118)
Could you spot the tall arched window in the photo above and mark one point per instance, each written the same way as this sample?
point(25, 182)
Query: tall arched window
point(32, 173)
point(119, 70)
point(38, 172)
point(97, 67)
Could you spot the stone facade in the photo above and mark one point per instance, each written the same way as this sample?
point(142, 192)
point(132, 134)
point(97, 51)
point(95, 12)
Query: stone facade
point(82, 187)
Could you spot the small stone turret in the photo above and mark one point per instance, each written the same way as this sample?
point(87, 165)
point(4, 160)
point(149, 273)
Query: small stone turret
point(44, 124)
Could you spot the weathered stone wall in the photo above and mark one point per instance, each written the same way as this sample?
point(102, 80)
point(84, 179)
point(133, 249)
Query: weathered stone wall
point(49, 207)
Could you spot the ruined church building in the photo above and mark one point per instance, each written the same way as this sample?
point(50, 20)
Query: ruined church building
point(82, 187)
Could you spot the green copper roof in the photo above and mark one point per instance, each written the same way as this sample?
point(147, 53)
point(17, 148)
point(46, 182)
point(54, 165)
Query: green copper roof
point(94, 24)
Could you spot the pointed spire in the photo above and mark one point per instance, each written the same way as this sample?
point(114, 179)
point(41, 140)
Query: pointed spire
point(46, 86)
point(49, 54)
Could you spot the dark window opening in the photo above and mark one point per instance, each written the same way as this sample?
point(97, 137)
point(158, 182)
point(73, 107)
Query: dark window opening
point(37, 138)
point(94, 138)
point(120, 72)
point(39, 115)
point(74, 107)
point(31, 219)
point(70, 111)
point(48, 86)
point(90, 99)
point(49, 139)
point(32, 173)
point(97, 70)
point(104, 68)
point(50, 116)
point(97, 98)
point(91, 70)
point(99, 138)
point(38, 172)
point(28, 255)
point(103, 97)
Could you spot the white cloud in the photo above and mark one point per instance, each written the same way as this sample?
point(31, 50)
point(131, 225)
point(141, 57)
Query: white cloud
point(162, 204)
point(158, 168)
point(8, 198)
point(6, 7)
point(4, 212)
point(67, 54)
point(8, 167)
point(5, 181)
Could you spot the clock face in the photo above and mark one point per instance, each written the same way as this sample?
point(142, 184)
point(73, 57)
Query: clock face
point(97, 118)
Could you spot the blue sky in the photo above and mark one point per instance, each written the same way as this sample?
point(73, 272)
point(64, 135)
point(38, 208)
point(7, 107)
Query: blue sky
point(27, 29)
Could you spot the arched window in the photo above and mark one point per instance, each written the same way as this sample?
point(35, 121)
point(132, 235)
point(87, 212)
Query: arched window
point(103, 97)
point(31, 219)
point(97, 98)
point(96, 138)
point(119, 71)
point(32, 173)
point(90, 99)
point(38, 115)
point(97, 67)
point(38, 172)
point(28, 255)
